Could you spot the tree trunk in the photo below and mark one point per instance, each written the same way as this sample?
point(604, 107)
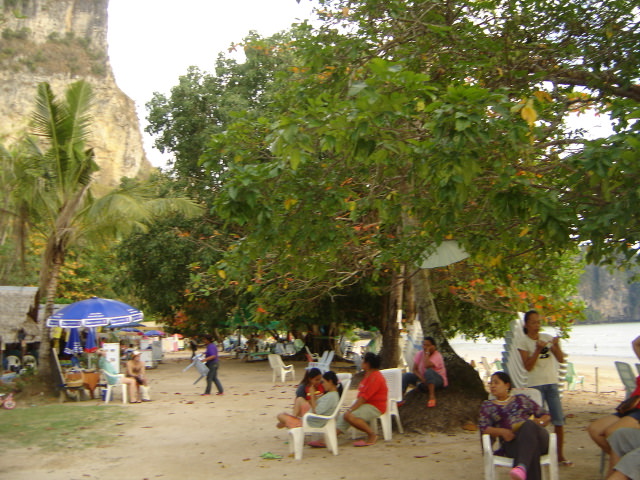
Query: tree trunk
point(390, 332)
point(49, 275)
point(460, 374)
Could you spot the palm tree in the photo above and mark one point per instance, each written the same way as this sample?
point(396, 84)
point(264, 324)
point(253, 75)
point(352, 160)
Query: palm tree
point(60, 202)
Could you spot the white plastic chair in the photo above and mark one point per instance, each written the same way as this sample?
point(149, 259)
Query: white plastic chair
point(550, 459)
point(343, 376)
point(279, 368)
point(313, 356)
point(324, 364)
point(393, 376)
point(13, 363)
point(110, 386)
point(296, 441)
point(29, 361)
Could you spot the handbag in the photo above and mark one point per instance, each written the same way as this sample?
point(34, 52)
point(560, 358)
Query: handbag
point(627, 405)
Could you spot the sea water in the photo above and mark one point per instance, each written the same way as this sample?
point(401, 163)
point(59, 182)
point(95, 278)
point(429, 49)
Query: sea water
point(597, 340)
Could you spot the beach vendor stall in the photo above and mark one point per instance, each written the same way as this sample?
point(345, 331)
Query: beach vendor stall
point(90, 314)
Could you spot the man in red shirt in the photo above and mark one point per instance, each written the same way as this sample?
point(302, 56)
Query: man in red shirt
point(370, 403)
point(428, 371)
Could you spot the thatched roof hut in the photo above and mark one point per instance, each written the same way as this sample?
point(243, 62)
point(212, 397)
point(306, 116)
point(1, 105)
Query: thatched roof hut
point(17, 307)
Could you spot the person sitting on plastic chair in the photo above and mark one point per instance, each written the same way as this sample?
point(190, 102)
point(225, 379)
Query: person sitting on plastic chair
point(136, 369)
point(370, 403)
point(320, 404)
point(105, 365)
point(601, 429)
point(507, 417)
point(625, 450)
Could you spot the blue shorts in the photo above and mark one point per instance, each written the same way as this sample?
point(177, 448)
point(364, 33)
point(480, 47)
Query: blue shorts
point(551, 396)
point(633, 414)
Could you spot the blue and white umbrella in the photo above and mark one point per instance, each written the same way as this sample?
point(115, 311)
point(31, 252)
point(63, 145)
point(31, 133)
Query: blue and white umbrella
point(73, 346)
point(153, 333)
point(95, 312)
point(90, 344)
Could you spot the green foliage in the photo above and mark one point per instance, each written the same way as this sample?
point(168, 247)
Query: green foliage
point(9, 34)
point(203, 104)
point(47, 183)
point(157, 266)
point(341, 154)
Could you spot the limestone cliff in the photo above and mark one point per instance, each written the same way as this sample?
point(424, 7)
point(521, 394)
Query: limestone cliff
point(59, 42)
point(610, 295)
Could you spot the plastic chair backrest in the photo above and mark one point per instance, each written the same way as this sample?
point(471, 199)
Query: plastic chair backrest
point(329, 358)
point(12, 361)
point(532, 393)
point(275, 360)
point(343, 376)
point(627, 376)
point(112, 379)
point(393, 376)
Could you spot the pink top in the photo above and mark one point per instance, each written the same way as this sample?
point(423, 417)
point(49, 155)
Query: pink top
point(438, 362)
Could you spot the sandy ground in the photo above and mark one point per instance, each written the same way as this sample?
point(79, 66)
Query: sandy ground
point(182, 435)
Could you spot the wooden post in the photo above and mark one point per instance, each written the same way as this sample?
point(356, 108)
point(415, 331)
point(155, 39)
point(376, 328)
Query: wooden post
point(597, 387)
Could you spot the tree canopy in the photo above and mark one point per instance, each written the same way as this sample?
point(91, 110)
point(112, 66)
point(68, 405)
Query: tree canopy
point(392, 126)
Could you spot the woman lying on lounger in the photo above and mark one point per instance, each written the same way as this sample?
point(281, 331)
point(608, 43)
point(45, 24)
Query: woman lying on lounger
point(321, 405)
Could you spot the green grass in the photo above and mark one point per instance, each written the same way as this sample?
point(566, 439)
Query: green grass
point(57, 427)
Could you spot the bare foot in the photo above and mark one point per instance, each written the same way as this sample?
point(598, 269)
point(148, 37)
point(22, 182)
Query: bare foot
point(280, 425)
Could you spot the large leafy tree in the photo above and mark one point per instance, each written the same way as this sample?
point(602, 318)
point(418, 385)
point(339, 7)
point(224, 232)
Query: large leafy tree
point(203, 104)
point(157, 266)
point(55, 200)
point(425, 120)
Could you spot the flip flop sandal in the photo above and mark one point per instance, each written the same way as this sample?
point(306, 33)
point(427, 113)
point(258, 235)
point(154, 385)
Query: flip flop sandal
point(317, 444)
point(362, 443)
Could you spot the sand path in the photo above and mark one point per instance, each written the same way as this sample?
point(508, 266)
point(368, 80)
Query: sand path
point(182, 435)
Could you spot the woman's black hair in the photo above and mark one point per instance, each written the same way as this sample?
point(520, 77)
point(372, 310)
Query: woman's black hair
point(504, 376)
point(526, 318)
point(309, 374)
point(333, 378)
point(372, 359)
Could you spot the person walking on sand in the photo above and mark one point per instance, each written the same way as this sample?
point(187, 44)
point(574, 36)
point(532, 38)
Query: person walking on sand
point(539, 353)
point(428, 372)
point(370, 403)
point(211, 360)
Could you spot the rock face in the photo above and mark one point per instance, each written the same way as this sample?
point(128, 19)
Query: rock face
point(60, 42)
point(610, 296)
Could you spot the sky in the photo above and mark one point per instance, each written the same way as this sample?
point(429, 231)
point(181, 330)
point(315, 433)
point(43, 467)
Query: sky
point(153, 42)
